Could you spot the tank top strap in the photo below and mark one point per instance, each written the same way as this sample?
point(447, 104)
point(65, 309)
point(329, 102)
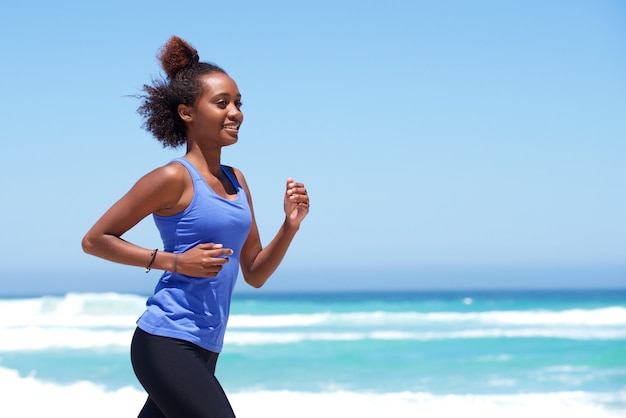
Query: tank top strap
point(196, 176)
point(193, 172)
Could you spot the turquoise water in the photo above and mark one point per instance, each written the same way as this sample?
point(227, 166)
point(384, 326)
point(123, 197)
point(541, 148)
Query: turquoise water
point(440, 344)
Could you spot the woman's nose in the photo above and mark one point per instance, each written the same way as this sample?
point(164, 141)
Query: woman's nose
point(234, 113)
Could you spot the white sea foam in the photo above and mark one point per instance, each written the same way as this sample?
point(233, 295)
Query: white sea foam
point(36, 338)
point(610, 316)
point(73, 310)
point(119, 310)
point(108, 319)
point(259, 338)
point(28, 397)
point(32, 338)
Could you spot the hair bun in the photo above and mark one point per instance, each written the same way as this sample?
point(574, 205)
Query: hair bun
point(176, 55)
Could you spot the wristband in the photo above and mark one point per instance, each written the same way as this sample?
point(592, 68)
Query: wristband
point(153, 255)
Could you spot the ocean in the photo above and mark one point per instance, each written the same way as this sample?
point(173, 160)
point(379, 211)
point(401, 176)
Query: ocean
point(392, 354)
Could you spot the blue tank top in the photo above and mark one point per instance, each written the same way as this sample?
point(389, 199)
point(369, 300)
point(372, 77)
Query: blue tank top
point(196, 309)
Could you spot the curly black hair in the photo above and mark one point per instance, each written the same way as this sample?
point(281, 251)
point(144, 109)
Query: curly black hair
point(183, 85)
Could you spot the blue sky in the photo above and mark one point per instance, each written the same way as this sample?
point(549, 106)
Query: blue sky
point(445, 144)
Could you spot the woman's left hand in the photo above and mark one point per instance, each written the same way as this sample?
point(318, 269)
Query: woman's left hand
point(296, 203)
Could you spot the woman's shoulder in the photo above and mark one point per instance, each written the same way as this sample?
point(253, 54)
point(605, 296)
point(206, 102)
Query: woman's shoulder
point(168, 177)
point(165, 186)
point(172, 171)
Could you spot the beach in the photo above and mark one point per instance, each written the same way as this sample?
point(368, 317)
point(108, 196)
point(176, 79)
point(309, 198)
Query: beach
point(402, 354)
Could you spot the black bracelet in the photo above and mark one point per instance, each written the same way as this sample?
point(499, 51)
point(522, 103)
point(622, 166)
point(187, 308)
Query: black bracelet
point(153, 255)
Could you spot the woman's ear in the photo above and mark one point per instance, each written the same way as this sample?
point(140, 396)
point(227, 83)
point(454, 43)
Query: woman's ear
point(185, 113)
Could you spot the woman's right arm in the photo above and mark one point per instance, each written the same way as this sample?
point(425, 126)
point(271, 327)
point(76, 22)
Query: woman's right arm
point(164, 191)
point(158, 191)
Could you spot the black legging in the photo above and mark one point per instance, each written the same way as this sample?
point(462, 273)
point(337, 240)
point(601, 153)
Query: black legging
point(179, 377)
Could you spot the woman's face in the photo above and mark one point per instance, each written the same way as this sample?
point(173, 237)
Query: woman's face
point(216, 116)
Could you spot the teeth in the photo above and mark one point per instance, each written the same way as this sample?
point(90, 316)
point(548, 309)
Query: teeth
point(231, 126)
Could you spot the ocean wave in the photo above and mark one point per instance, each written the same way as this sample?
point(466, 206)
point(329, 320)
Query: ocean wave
point(83, 321)
point(89, 310)
point(609, 316)
point(73, 310)
point(260, 338)
point(77, 398)
point(33, 338)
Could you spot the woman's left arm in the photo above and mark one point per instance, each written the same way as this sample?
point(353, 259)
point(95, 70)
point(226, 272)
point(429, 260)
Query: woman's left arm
point(258, 263)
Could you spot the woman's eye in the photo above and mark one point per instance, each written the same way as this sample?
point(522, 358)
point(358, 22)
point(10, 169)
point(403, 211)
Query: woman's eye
point(223, 104)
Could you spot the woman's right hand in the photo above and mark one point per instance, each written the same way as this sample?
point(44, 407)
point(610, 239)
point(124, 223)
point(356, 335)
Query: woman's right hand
point(203, 260)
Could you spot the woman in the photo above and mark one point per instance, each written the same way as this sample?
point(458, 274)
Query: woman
point(203, 211)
